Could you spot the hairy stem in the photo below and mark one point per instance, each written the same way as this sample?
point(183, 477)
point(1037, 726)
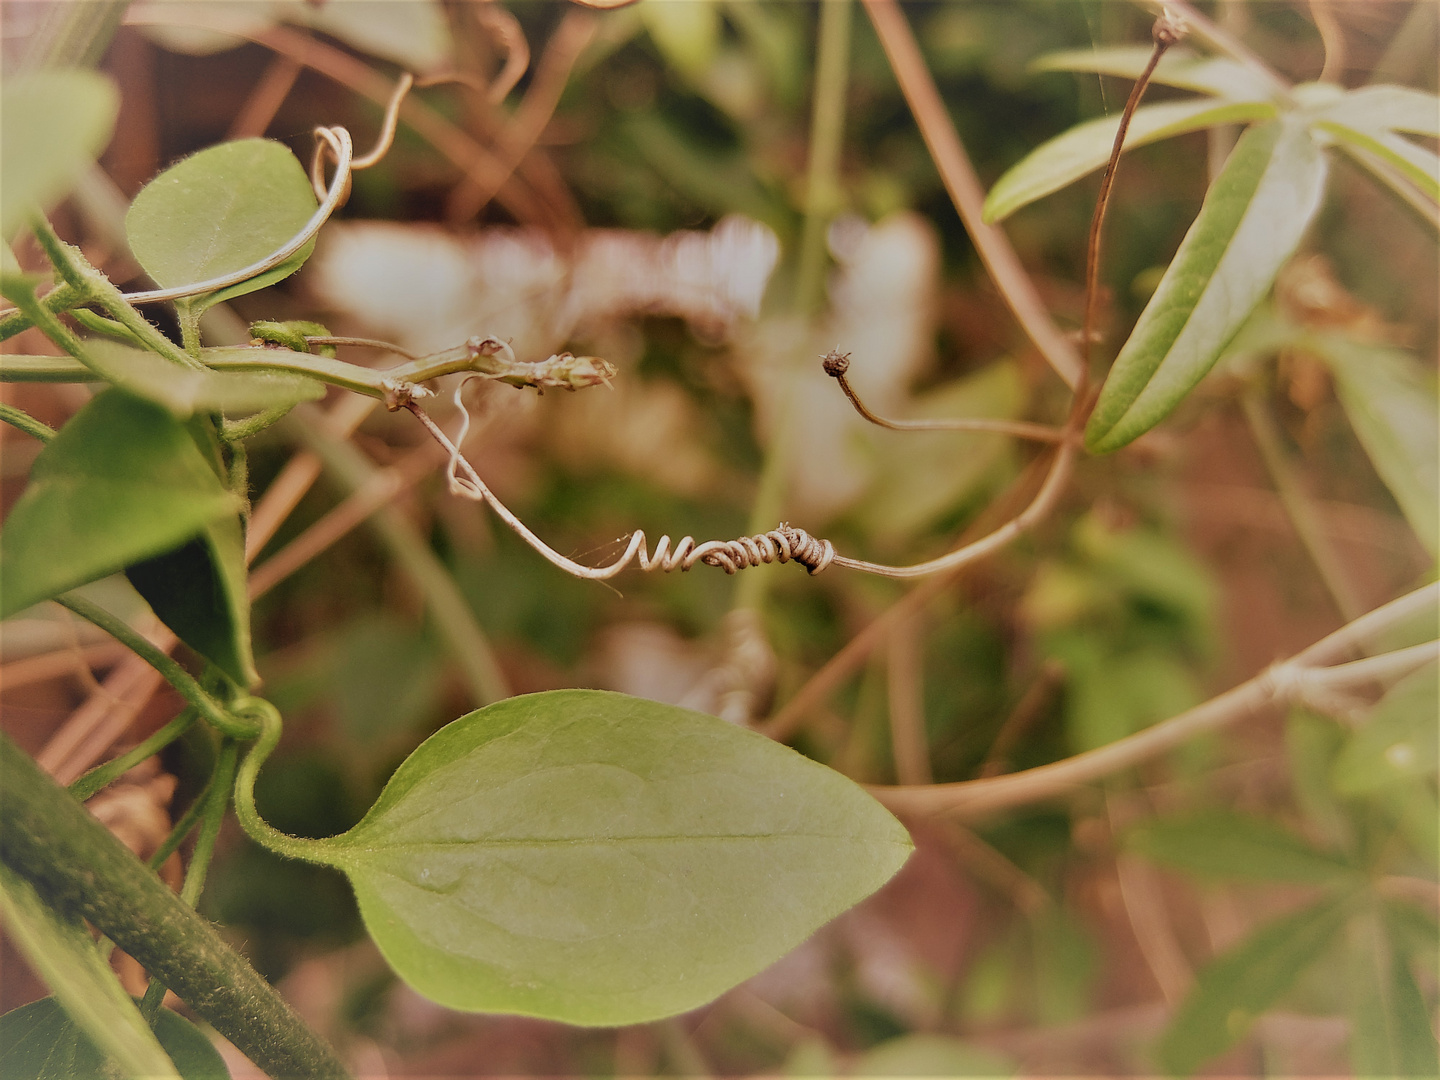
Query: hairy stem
point(81, 869)
point(20, 419)
point(102, 776)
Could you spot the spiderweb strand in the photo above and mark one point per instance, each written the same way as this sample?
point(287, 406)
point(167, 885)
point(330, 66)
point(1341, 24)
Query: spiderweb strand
point(785, 543)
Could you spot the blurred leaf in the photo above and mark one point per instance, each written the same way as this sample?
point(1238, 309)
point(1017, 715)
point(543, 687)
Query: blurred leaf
point(1399, 740)
point(1086, 147)
point(1152, 569)
point(930, 1055)
point(415, 34)
point(1420, 166)
point(1410, 805)
point(219, 211)
point(1111, 694)
point(52, 125)
point(199, 29)
point(1232, 992)
point(1216, 75)
point(39, 1041)
point(687, 34)
point(1066, 962)
point(1390, 401)
point(185, 392)
point(199, 591)
point(385, 679)
point(1254, 216)
point(1389, 1027)
point(62, 953)
point(1398, 108)
point(600, 859)
point(123, 481)
point(1224, 845)
point(811, 1057)
point(1311, 744)
point(922, 475)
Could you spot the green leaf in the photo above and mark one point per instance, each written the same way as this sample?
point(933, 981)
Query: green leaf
point(600, 859)
point(219, 211)
point(1215, 75)
point(1253, 218)
point(200, 591)
point(1398, 108)
point(1420, 166)
point(687, 35)
point(1237, 987)
point(415, 34)
point(930, 1055)
point(39, 1041)
point(1086, 147)
point(123, 481)
point(62, 952)
point(52, 125)
point(1399, 741)
point(1389, 1027)
point(1224, 845)
point(185, 392)
point(1390, 401)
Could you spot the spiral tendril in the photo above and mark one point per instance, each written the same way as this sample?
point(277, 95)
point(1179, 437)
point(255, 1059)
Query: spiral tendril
point(780, 544)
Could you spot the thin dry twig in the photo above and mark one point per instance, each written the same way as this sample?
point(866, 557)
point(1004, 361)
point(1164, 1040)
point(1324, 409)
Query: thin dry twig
point(1145, 909)
point(265, 100)
point(496, 20)
point(909, 744)
point(1332, 37)
point(945, 147)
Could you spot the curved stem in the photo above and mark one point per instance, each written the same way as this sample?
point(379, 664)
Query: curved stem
point(184, 683)
point(212, 815)
point(20, 419)
point(61, 298)
point(256, 827)
point(1021, 429)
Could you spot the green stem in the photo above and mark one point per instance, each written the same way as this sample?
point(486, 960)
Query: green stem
point(428, 575)
point(189, 320)
point(97, 288)
point(236, 431)
point(1299, 506)
point(256, 827)
point(81, 869)
point(827, 129)
point(209, 709)
point(102, 776)
point(62, 298)
point(181, 828)
point(99, 324)
point(19, 418)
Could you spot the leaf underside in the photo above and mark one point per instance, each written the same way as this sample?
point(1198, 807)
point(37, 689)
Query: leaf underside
point(39, 1041)
point(599, 859)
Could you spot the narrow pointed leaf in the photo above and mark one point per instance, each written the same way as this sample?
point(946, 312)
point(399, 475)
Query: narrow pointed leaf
point(1242, 984)
point(600, 859)
point(52, 125)
point(1389, 1030)
point(1086, 147)
point(1224, 845)
point(1391, 404)
point(1215, 75)
point(219, 211)
point(122, 482)
point(1400, 740)
point(1418, 165)
point(1398, 108)
point(1253, 218)
point(62, 952)
point(39, 1041)
point(185, 392)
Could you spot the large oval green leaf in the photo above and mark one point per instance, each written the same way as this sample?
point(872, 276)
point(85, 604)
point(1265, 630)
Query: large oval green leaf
point(1086, 147)
point(52, 124)
point(39, 1041)
point(599, 859)
point(60, 949)
point(219, 211)
point(122, 481)
point(1253, 218)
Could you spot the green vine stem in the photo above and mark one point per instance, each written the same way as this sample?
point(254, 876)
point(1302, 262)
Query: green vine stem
point(102, 776)
point(19, 418)
point(61, 298)
point(78, 867)
point(256, 827)
point(184, 683)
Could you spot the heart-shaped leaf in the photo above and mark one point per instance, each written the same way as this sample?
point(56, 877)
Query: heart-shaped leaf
point(39, 1041)
point(220, 211)
point(52, 124)
point(1086, 147)
point(600, 859)
point(184, 392)
point(1253, 218)
point(122, 481)
point(62, 952)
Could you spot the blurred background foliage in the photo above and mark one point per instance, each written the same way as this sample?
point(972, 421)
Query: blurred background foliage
point(1042, 940)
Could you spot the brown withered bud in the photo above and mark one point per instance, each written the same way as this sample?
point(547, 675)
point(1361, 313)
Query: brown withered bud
point(836, 363)
point(1169, 28)
point(562, 371)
